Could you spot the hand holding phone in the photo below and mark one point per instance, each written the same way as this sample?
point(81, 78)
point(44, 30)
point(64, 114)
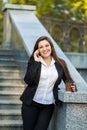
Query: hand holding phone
point(36, 56)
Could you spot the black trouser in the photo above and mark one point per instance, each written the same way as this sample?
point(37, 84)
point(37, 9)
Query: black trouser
point(36, 116)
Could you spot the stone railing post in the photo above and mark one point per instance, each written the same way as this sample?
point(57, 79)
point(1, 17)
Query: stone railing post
point(7, 29)
point(71, 113)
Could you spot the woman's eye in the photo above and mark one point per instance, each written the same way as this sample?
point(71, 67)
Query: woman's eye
point(40, 47)
point(47, 45)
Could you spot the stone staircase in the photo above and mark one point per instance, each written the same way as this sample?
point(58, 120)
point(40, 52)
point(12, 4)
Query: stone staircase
point(11, 87)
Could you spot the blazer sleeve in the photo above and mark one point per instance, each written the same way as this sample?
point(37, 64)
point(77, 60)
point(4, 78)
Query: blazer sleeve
point(32, 71)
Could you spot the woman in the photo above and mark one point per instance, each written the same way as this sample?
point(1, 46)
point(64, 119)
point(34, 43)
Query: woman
point(44, 73)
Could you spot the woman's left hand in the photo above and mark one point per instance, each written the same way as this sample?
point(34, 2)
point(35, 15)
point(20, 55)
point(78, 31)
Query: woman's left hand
point(73, 86)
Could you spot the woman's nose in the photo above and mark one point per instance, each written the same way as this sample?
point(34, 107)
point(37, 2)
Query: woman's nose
point(44, 48)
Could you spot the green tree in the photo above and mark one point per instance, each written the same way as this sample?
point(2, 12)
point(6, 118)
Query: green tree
point(45, 7)
point(79, 9)
point(63, 9)
point(25, 2)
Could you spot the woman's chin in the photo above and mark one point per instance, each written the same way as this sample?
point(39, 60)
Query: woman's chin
point(46, 56)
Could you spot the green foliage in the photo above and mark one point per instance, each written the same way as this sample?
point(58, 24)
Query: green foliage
point(24, 2)
point(45, 7)
point(78, 9)
point(64, 9)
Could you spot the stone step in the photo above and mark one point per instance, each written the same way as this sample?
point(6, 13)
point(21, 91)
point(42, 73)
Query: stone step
point(10, 94)
point(4, 73)
point(11, 80)
point(12, 86)
point(10, 114)
point(9, 71)
point(10, 77)
point(8, 60)
point(16, 89)
point(10, 74)
point(8, 66)
point(6, 51)
point(5, 59)
point(12, 89)
point(11, 125)
point(10, 63)
point(10, 104)
point(19, 81)
point(6, 55)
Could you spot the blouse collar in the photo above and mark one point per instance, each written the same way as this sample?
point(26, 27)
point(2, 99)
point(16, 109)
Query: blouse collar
point(43, 62)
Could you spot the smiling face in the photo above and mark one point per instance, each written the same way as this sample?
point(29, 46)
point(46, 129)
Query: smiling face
point(44, 48)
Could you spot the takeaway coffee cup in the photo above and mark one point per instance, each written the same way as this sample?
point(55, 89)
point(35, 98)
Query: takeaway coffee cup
point(68, 84)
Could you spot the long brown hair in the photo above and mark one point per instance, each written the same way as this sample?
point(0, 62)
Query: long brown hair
point(54, 55)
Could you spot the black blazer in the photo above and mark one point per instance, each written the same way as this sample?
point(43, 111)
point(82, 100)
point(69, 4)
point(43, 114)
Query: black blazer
point(32, 77)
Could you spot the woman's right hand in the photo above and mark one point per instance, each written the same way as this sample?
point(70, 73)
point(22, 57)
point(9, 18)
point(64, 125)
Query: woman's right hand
point(36, 56)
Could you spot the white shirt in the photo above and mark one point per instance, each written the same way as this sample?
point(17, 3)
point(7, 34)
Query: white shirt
point(44, 92)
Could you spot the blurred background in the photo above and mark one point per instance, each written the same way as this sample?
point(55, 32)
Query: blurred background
point(65, 20)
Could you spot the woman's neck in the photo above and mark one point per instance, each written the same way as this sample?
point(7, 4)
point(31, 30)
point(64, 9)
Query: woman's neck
point(48, 60)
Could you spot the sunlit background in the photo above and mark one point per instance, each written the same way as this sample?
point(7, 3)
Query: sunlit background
point(64, 19)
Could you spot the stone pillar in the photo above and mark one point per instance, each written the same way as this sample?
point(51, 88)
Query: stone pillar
point(7, 32)
point(71, 114)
